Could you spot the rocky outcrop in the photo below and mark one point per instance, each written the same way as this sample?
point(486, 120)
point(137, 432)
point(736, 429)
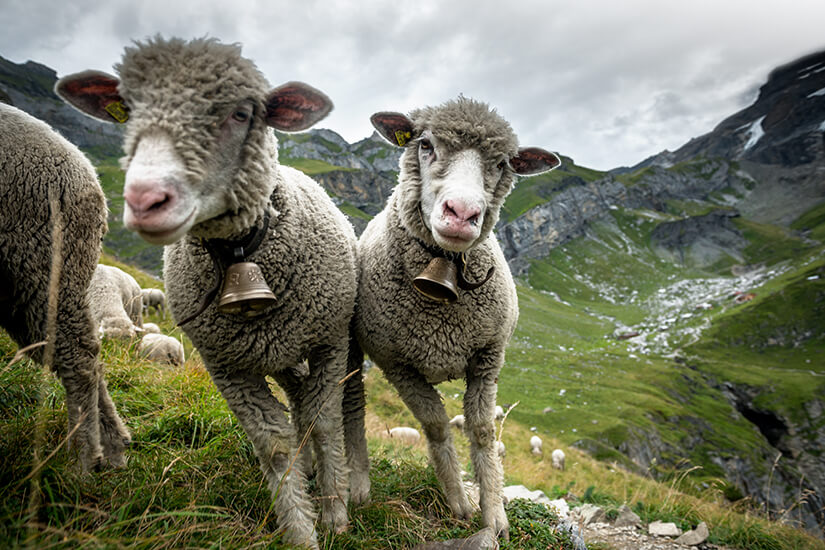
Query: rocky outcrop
point(534, 234)
point(700, 241)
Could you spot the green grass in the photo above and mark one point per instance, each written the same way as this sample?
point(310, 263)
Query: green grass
point(313, 167)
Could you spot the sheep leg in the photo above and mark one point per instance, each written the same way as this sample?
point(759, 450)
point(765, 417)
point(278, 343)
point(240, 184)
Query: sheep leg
point(322, 396)
point(80, 379)
point(423, 400)
point(114, 436)
point(354, 408)
point(266, 425)
point(291, 384)
point(76, 365)
point(479, 409)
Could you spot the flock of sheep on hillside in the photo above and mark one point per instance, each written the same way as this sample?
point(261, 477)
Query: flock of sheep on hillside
point(203, 179)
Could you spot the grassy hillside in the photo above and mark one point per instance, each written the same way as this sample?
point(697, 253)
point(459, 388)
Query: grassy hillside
point(193, 481)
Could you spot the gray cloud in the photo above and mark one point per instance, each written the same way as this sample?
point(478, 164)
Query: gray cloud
point(608, 83)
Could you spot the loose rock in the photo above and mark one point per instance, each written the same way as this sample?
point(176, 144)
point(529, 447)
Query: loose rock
point(696, 536)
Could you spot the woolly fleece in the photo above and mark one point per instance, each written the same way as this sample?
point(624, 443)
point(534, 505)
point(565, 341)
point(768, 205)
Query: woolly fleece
point(417, 342)
point(307, 259)
point(35, 161)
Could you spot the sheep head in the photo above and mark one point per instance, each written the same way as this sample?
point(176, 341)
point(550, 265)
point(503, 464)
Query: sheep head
point(200, 155)
point(460, 162)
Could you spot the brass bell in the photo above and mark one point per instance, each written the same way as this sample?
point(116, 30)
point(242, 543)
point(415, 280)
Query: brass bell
point(244, 289)
point(438, 281)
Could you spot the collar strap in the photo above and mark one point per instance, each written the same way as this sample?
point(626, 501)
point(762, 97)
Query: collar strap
point(225, 251)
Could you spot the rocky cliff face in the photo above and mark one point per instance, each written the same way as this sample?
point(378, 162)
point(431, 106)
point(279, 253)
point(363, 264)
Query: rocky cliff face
point(29, 87)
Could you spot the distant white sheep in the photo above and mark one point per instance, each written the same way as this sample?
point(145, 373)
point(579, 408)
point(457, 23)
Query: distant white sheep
point(457, 421)
point(558, 459)
point(154, 298)
point(406, 435)
point(161, 349)
point(535, 445)
point(499, 412)
point(115, 301)
point(151, 328)
point(501, 450)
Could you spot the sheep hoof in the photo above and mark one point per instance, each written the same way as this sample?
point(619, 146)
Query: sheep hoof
point(334, 515)
point(359, 492)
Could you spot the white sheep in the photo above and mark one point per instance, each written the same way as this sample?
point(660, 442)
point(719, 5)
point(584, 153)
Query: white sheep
point(535, 445)
point(202, 177)
point(161, 349)
point(51, 225)
point(459, 163)
point(115, 301)
point(557, 457)
point(154, 298)
point(499, 413)
point(151, 328)
point(457, 421)
point(406, 435)
point(501, 450)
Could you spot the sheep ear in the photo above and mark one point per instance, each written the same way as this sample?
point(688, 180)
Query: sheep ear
point(95, 94)
point(296, 106)
point(394, 127)
point(532, 160)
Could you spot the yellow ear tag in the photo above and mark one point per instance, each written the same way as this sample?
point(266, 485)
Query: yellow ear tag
point(118, 111)
point(402, 137)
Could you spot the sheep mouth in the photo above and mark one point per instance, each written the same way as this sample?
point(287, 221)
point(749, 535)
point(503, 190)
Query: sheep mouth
point(167, 235)
point(456, 241)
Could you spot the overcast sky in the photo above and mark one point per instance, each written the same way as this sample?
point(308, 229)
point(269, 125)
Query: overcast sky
point(608, 83)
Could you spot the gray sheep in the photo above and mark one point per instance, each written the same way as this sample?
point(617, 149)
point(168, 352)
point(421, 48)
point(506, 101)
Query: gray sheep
point(116, 302)
point(50, 190)
point(154, 298)
point(203, 178)
point(459, 163)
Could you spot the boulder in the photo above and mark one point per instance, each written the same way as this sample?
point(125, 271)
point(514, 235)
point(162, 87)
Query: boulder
point(627, 518)
point(696, 536)
point(590, 513)
point(662, 529)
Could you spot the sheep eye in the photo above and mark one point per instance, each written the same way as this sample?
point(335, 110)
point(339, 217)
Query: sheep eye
point(425, 145)
point(501, 165)
point(240, 115)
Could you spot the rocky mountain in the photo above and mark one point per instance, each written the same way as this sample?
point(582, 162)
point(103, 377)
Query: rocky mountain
point(29, 87)
point(696, 277)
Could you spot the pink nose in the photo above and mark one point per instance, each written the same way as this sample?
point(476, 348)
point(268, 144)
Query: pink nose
point(463, 212)
point(143, 198)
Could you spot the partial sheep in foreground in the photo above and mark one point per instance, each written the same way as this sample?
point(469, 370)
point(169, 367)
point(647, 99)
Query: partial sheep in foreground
point(116, 302)
point(154, 298)
point(459, 164)
point(535, 445)
point(406, 435)
point(161, 349)
point(202, 177)
point(557, 458)
point(54, 217)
